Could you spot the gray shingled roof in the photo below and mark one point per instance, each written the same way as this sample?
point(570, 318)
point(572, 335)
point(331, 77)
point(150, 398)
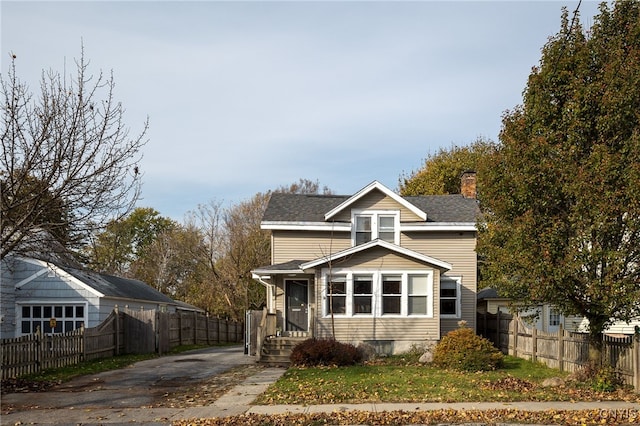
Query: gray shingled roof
point(312, 208)
point(125, 288)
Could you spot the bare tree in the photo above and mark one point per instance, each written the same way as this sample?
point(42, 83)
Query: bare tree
point(68, 164)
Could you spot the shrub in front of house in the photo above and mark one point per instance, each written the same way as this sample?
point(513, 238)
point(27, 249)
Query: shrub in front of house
point(464, 350)
point(325, 352)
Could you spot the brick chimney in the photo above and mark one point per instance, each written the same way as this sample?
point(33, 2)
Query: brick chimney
point(468, 184)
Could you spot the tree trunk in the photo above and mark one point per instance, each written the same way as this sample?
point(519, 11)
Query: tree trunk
point(596, 347)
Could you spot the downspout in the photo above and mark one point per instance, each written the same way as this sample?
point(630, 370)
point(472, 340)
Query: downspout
point(271, 292)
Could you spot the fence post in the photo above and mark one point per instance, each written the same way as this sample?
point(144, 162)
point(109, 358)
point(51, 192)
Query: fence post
point(207, 324)
point(498, 341)
point(635, 356)
point(534, 344)
point(117, 328)
point(83, 345)
point(514, 321)
point(561, 347)
point(39, 350)
point(195, 328)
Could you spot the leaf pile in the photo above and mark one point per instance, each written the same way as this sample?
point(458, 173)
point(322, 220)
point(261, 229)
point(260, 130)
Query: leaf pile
point(20, 385)
point(558, 417)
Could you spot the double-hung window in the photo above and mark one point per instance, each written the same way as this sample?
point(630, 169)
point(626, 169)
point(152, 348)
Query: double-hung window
point(371, 225)
point(391, 294)
point(362, 294)
point(554, 317)
point(337, 295)
point(387, 228)
point(418, 292)
point(363, 229)
point(450, 297)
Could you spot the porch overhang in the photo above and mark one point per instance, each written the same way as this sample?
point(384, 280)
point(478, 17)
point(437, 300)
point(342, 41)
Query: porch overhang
point(264, 275)
point(290, 267)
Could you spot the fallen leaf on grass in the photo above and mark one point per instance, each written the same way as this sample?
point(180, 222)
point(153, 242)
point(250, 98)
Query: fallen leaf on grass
point(565, 417)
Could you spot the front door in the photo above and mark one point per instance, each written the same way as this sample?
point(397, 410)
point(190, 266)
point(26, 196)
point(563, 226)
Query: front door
point(297, 305)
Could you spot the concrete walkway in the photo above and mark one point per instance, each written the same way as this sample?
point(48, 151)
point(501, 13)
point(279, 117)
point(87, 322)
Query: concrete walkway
point(239, 400)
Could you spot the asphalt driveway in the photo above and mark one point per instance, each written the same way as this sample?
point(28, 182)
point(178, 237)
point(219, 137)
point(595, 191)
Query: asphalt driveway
point(139, 385)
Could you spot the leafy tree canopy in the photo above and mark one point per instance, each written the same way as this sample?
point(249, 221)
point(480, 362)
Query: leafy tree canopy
point(562, 194)
point(441, 172)
point(126, 240)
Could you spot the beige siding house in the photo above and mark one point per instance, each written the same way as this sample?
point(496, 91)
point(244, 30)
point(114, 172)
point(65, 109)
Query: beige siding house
point(371, 267)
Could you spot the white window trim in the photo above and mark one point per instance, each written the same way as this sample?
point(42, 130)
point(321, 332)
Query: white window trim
point(458, 281)
point(376, 299)
point(554, 311)
point(375, 214)
point(326, 295)
point(38, 302)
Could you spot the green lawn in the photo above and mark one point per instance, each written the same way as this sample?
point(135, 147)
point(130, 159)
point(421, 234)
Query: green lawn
point(395, 380)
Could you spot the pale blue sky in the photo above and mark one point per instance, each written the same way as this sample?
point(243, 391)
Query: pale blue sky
point(244, 97)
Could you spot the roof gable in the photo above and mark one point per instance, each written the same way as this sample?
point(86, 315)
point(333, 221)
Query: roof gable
point(375, 185)
point(372, 244)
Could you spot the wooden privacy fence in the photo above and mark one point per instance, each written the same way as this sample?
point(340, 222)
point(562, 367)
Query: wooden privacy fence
point(564, 350)
point(123, 332)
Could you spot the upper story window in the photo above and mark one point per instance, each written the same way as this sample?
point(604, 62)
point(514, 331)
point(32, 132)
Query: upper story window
point(371, 225)
point(363, 229)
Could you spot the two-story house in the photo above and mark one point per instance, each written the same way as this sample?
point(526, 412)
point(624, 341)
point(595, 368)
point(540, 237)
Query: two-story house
point(371, 267)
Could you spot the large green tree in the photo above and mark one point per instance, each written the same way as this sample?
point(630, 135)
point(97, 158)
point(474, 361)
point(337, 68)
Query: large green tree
point(441, 171)
point(124, 241)
point(562, 194)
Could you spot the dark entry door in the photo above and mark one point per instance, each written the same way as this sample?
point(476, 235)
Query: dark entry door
point(297, 305)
